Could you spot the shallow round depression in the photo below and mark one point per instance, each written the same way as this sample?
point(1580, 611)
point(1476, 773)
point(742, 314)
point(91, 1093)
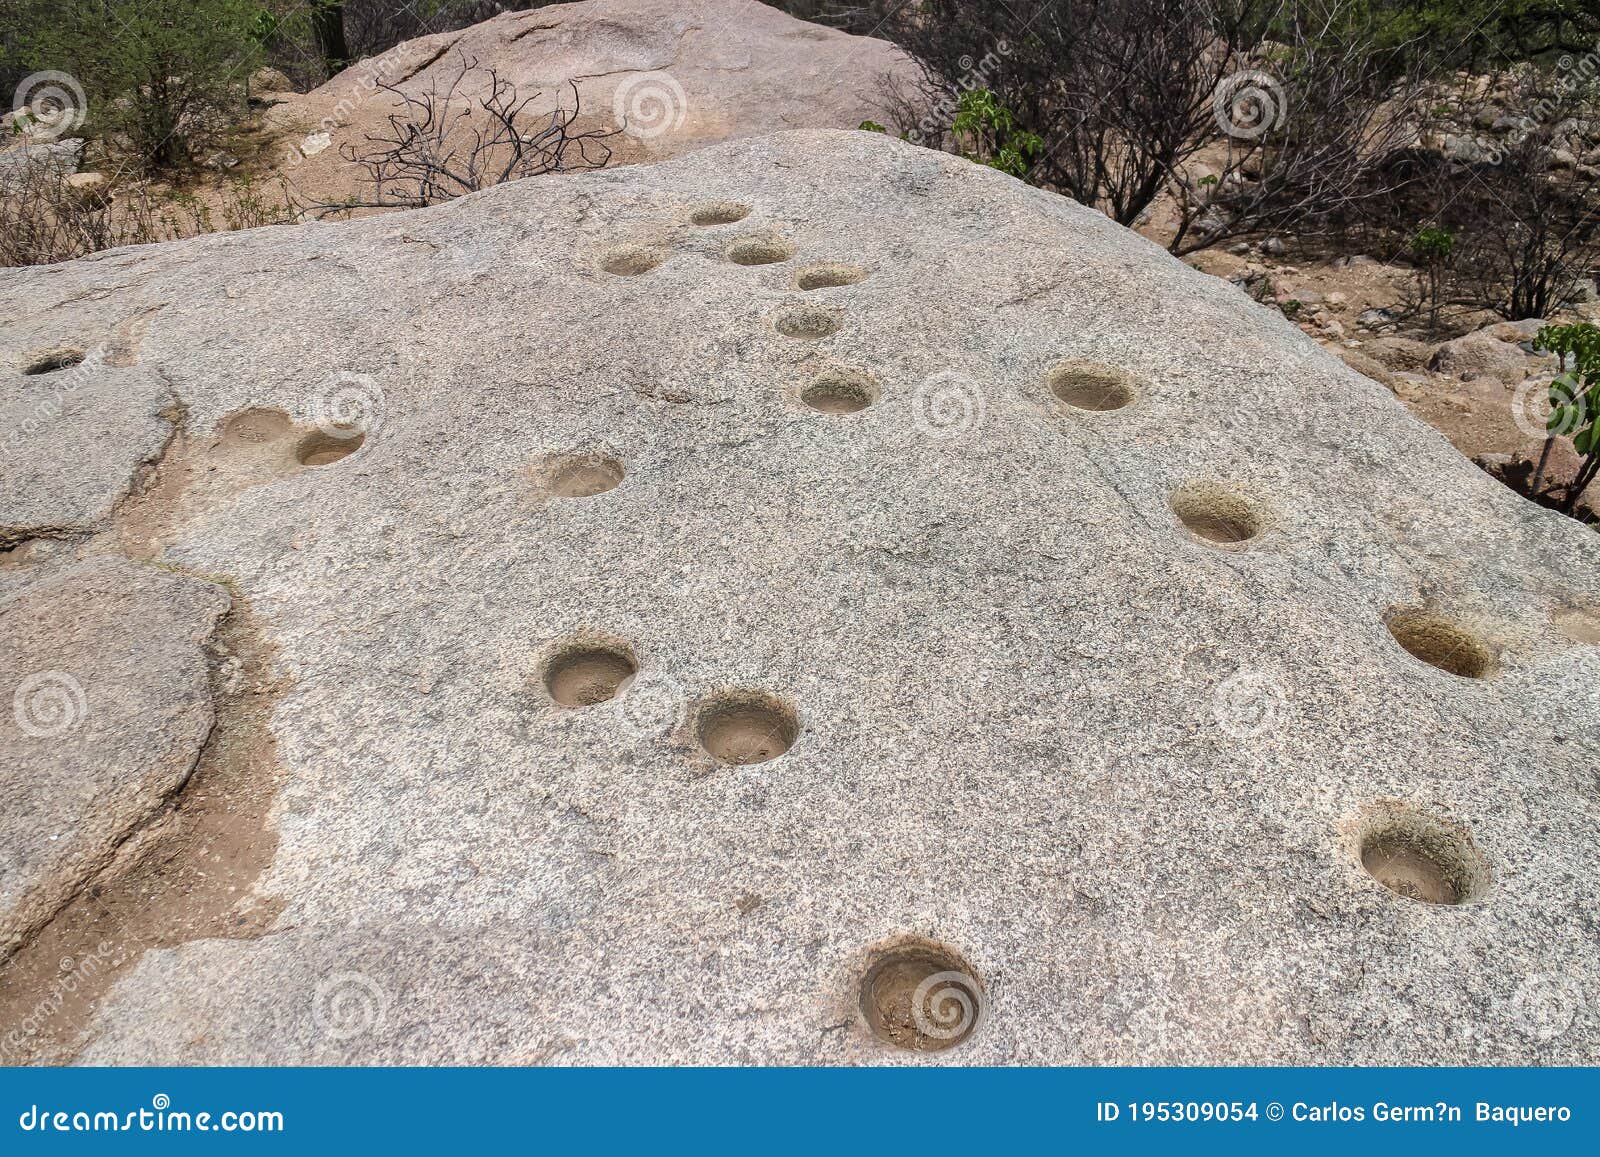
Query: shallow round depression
point(584, 673)
point(1440, 641)
point(320, 448)
point(631, 260)
point(1091, 386)
point(718, 213)
point(580, 475)
point(840, 391)
point(760, 251)
point(808, 322)
point(1423, 857)
point(740, 727)
point(829, 276)
point(921, 996)
point(1216, 513)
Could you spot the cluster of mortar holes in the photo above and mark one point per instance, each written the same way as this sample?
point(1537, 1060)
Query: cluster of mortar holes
point(760, 250)
point(323, 448)
point(718, 213)
point(745, 726)
point(808, 322)
point(921, 996)
point(829, 276)
point(631, 260)
point(585, 671)
point(579, 475)
point(1215, 513)
point(1441, 642)
point(838, 390)
point(1091, 386)
point(52, 360)
point(1422, 857)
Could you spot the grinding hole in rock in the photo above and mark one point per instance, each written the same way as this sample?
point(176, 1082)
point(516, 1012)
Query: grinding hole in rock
point(584, 673)
point(1215, 513)
point(830, 276)
point(808, 322)
point(740, 727)
point(760, 251)
point(840, 391)
point(580, 475)
point(1441, 642)
point(1091, 386)
point(53, 360)
point(1422, 857)
point(321, 448)
point(631, 260)
point(719, 213)
point(921, 996)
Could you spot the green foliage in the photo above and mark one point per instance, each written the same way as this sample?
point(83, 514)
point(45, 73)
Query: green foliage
point(986, 131)
point(872, 127)
point(159, 74)
point(1574, 397)
point(1433, 244)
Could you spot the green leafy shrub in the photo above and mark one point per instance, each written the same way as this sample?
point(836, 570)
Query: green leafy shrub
point(986, 131)
point(1574, 403)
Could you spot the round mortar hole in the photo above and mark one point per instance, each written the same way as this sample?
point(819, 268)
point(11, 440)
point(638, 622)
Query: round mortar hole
point(921, 996)
point(719, 213)
point(321, 448)
point(1440, 641)
point(760, 251)
point(580, 475)
point(631, 260)
point(740, 727)
point(808, 322)
point(52, 360)
point(585, 673)
point(840, 391)
point(1091, 386)
point(1423, 857)
point(830, 276)
point(1215, 513)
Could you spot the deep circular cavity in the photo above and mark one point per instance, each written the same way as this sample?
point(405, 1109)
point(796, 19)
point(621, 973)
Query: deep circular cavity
point(631, 260)
point(760, 251)
point(580, 475)
point(1215, 513)
point(587, 672)
point(1422, 857)
point(830, 276)
point(808, 322)
point(921, 996)
point(719, 213)
point(740, 727)
point(840, 391)
point(52, 360)
point(1091, 386)
point(1440, 641)
point(320, 448)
